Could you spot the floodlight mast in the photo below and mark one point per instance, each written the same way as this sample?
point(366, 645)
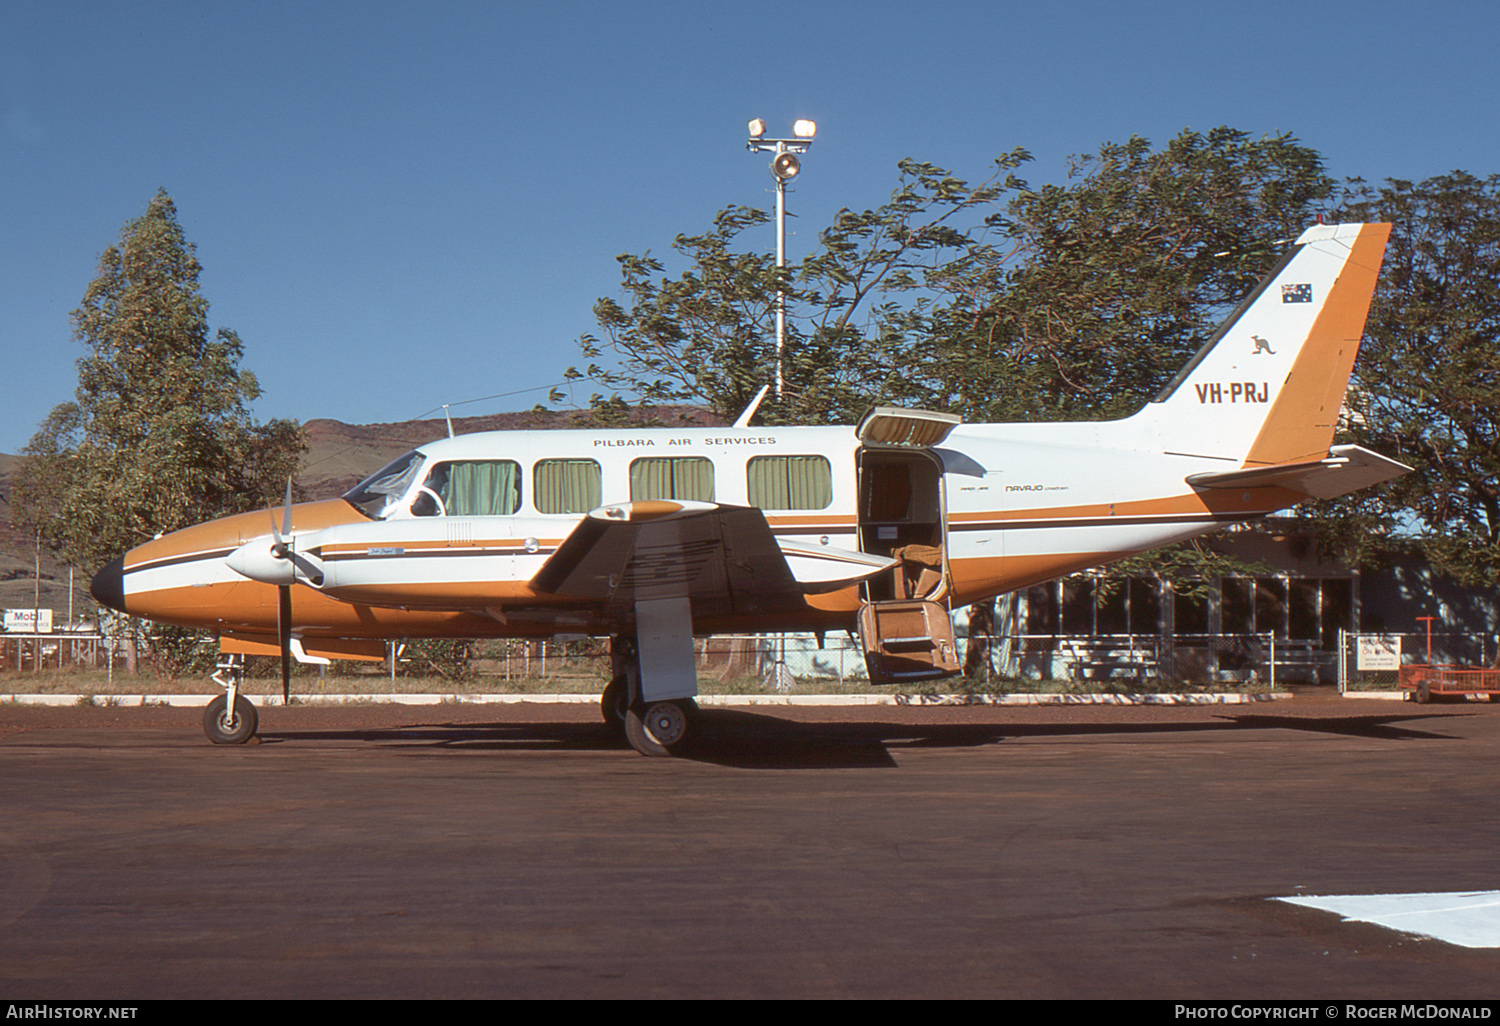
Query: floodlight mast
point(784, 167)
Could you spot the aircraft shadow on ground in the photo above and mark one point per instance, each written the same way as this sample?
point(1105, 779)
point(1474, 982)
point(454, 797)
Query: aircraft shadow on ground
point(751, 740)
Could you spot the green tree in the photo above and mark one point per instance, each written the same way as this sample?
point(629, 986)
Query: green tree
point(158, 436)
point(707, 335)
point(1426, 387)
point(870, 289)
point(698, 338)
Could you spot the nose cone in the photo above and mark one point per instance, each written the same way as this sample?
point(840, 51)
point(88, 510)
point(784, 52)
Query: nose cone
point(257, 559)
point(108, 585)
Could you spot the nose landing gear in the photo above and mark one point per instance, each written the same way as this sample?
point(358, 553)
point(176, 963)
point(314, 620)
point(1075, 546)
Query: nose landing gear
point(230, 719)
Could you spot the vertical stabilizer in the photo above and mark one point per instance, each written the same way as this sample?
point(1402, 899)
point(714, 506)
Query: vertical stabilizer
point(1267, 388)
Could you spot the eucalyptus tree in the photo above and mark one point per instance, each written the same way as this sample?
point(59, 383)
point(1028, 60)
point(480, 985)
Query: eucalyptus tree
point(158, 435)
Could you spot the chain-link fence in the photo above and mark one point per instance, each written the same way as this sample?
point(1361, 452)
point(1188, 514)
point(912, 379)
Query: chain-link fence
point(731, 663)
point(1372, 662)
point(769, 663)
point(1000, 663)
point(56, 651)
point(1176, 660)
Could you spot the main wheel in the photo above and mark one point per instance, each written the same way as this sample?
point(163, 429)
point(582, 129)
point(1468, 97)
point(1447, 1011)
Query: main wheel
point(229, 728)
point(664, 728)
point(614, 704)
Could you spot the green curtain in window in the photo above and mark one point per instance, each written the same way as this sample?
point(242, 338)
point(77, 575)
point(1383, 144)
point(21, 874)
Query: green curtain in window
point(650, 479)
point(672, 477)
point(491, 488)
point(790, 482)
point(567, 486)
point(693, 478)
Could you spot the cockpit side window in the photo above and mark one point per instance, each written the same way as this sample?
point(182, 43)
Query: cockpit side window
point(470, 488)
point(376, 495)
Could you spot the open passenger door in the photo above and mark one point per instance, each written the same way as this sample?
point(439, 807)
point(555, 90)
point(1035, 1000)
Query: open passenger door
point(904, 625)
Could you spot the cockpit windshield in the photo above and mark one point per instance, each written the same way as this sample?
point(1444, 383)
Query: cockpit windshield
point(376, 495)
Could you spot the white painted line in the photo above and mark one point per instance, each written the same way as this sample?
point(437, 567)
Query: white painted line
point(1470, 919)
point(125, 701)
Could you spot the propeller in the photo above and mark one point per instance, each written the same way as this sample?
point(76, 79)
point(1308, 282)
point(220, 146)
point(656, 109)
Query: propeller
point(281, 549)
point(279, 563)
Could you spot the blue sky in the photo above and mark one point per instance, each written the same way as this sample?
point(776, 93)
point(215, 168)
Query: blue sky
point(399, 205)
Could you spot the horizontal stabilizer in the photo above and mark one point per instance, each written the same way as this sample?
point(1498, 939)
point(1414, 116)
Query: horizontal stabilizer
point(1345, 469)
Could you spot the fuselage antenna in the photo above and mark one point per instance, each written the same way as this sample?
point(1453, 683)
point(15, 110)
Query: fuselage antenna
point(744, 420)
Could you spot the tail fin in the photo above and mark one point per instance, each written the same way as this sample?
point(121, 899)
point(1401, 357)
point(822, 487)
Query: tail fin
point(1267, 387)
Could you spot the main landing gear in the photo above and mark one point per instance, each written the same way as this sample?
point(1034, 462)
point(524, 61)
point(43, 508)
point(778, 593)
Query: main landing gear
point(657, 726)
point(663, 728)
point(230, 719)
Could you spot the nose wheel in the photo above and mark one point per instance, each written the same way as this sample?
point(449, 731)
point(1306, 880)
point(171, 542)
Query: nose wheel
point(230, 719)
point(229, 725)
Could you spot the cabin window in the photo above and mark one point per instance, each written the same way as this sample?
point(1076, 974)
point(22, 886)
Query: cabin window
point(471, 488)
point(672, 477)
point(566, 486)
point(790, 482)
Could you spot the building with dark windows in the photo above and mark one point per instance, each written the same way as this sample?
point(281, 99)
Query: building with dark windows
point(1293, 614)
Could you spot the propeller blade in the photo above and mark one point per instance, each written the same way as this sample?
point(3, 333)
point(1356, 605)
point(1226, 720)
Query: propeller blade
point(311, 571)
point(279, 544)
point(284, 632)
point(286, 516)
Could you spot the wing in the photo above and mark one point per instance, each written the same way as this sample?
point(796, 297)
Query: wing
point(724, 558)
point(1345, 469)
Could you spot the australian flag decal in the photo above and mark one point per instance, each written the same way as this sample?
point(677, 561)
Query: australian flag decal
point(1296, 293)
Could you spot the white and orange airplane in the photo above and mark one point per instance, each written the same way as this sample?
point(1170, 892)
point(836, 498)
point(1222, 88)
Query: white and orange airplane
point(654, 536)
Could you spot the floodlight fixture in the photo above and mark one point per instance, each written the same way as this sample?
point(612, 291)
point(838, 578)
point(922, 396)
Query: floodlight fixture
point(784, 167)
point(801, 138)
